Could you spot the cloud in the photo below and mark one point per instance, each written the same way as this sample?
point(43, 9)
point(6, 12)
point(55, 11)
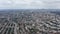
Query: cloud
point(30, 4)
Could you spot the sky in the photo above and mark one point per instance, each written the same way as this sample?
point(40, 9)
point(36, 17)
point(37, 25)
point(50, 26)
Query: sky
point(29, 4)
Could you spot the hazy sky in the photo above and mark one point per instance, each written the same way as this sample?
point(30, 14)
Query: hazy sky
point(49, 4)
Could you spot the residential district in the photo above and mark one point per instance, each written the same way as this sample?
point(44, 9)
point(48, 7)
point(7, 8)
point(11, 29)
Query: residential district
point(29, 23)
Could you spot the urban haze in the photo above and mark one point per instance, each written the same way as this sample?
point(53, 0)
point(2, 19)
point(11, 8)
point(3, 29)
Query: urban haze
point(30, 21)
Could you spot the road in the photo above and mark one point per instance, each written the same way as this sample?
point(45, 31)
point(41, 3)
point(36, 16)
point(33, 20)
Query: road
point(15, 28)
